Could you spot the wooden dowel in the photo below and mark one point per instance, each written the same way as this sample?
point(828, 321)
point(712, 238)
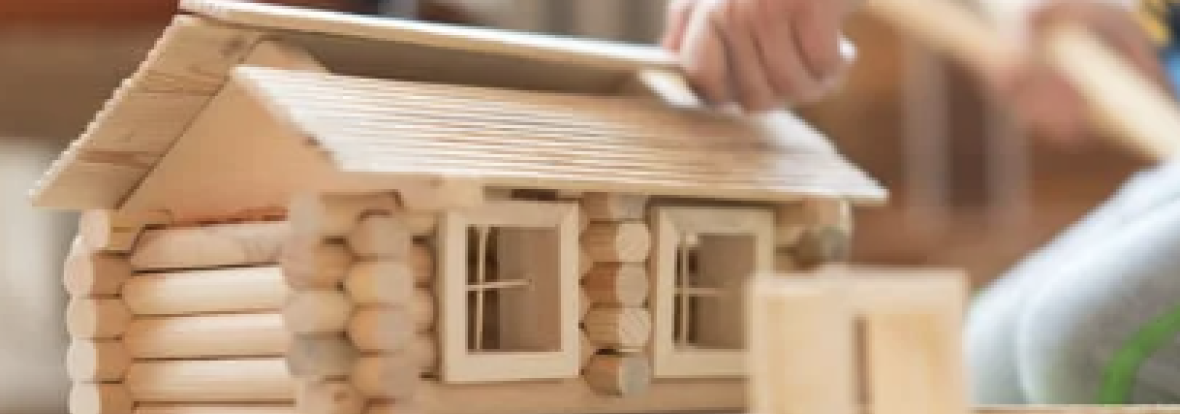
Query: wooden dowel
point(94, 273)
point(618, 375)
point(617, 284)
point(381, 328)
point(618, 327)
point(328, 397)
point(96, 318)
point(387, 282)
point(214, 409)
point(589, 350)
point(100, 399)
point(310, 312)
point(335, 215)
point(423, 310)
point(585, 263)
point(96, 361)
point(387, 376)
point(422, 264)
point(263, 380)
point(321, 356)
point(315, 265)
point(424, 351)
point(420, 223)
point(625, 242)
point(207, 336)
point(199, 247)
point(106, 230)
point(380, 236)
point(614, 207)
point(238, 289)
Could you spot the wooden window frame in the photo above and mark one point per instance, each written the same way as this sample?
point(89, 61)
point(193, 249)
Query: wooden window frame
point(669, 224)
point(461, 366)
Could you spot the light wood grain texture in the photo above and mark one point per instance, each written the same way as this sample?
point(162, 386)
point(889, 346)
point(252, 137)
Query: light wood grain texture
point(96, 318)
point(622, 375)
point(214, 409)
point(311, 264)
point(392, 376)
point(424, 351)
point(627, 242)
point(420, 224)
point(574, 396)
point(335, 215)
point(94, 274)
point(115, 231)
point(321, 356)
point(381, 328)
point(618, 327)
point(185, 292)
point(96, 361)
point(374, 282)
point(100, 399)
point(207, 336)
point(617, 284)
point(310, 312)
point(328, 397)
point(614, 207)
point(243, 244)
point(422, 263)
point(263, 380)
point(380, 236)
point(393, 407)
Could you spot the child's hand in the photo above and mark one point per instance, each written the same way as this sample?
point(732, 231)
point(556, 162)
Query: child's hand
point(1040, 95)
point(759, 53)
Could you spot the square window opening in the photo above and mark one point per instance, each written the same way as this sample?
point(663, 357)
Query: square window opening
point(509, 291)
point(710, 270)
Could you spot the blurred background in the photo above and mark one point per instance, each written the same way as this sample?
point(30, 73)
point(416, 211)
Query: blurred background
point(970, 189)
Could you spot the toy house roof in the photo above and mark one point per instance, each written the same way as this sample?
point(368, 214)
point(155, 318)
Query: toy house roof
point(406, 99)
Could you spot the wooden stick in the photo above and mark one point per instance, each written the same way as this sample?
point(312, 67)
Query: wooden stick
point(335, 215)
point(240, 244)
point(311, 312)
point(422, 263)
point(321, 356)
point(626, 242)
point(239, 289)
point(614, 207)
point(315, 265)
point(386, 376)
point(328, 397)
point(207, 336)
point(381, 328)
point(214, 409)
point(617, 284)
point(263, 380)
point(380, 236)
point(96, 318)
point(96, 361)
point(106, 230)
point(89, 273)
point(618, 375)
point(618, 327)
point(388, 282)
point(100, 399)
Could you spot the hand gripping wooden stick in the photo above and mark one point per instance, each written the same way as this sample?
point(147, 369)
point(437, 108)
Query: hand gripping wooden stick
point(1135, 112)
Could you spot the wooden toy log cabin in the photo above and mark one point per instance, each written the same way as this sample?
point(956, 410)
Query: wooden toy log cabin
point(292, 210)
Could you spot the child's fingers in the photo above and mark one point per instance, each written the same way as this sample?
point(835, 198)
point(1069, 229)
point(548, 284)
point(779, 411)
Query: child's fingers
point(738, 28)
point(704, 55)
point(676, 20)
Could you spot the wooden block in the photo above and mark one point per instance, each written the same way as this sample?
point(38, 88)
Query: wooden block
point(423, 310)
point(614, 207)
point(321, 356)
point(238, 244)
point(96, 318)
point(100, 399)
point(223, 381)
point(380, 236)
point(96, 361)
point(422, 263)
point(328, 397)
point(90, 273)
point(626, 242)
point(618, 375)
point(381, 328)
point(310, 312)
point(214, 409)
point(312, 265)
point(392, 376)
point(424, 351)
point(335, 215)
point(207, 336)
point(107, 230)
point(234, 289)
point(621, 284)
point(376, 282)
point(618, 327)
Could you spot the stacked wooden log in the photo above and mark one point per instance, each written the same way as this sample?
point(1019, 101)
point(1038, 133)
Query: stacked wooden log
point(362, 310)
point(176, 319)
point(617, 324)
point(812, 232)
